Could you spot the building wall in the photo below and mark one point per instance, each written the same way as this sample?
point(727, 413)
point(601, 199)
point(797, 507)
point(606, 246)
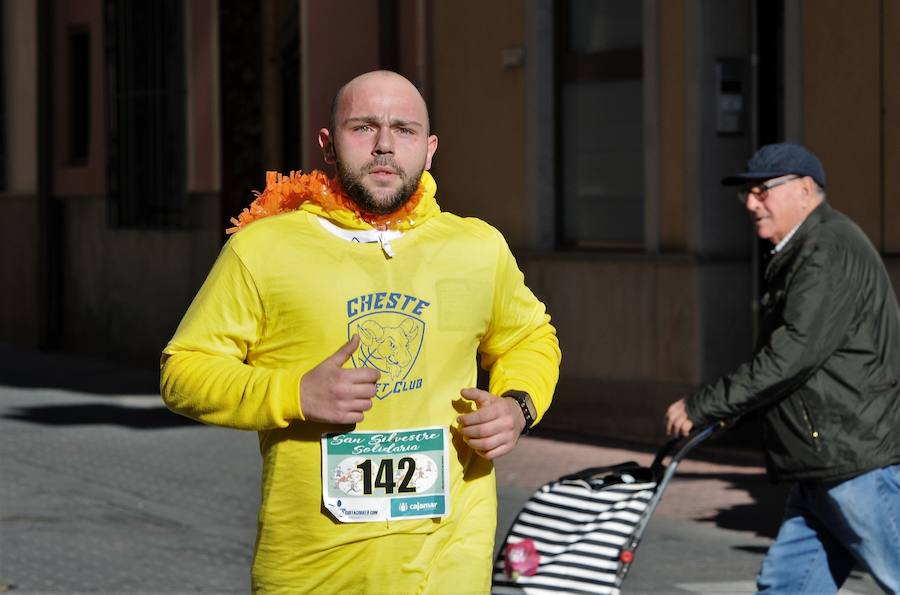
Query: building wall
point(890, 68)
point(20, 68)
point(718, 234)
point(637, 330)
point(673, 127)
point(20, 325)
point(844, 46)
point(629, 331)
point(851, 87)
point(328, 61)
point(86, 178)
point(843, 76)
point(123, 290)
point(204, 140)
point(479, 113)
point(19, 268)
point(19, 242)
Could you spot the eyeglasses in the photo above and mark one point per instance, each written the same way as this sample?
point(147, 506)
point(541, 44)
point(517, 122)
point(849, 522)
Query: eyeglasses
point(761, 191)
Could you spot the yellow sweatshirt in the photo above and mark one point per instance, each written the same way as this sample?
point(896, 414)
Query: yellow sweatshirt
point(283, 295)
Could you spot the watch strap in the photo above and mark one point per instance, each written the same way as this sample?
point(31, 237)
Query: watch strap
point(521, 398)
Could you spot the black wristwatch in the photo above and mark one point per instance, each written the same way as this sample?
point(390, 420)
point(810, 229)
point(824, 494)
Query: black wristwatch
point(522, 399)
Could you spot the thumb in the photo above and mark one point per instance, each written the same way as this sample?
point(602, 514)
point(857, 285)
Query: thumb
point(345, 351)
point(474, 394)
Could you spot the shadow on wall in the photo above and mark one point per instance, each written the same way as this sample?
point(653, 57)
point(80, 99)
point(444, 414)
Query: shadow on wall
point(138, 418)
point(79, 374)
point(33, 369)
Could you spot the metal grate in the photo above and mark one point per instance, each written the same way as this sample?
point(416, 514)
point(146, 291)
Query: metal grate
point(147, 113)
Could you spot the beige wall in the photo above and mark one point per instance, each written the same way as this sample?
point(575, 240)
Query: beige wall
point(329, 61)
point(622, 318)
point(478, 112)
point(110, 309)
point(20, 322)
point(842, 104)
point(673, 137)
point(20, 68)
point(19, 242)
point(891, 126)
point(629, 330)
point(204, 149)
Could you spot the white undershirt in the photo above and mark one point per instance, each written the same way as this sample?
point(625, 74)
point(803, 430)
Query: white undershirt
point(780, 245)
point(364, 236)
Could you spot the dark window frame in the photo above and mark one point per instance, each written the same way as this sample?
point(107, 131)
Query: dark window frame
point(572, 67)
point(147, 114)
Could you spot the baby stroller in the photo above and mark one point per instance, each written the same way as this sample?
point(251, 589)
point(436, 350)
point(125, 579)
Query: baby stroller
point(578, 534)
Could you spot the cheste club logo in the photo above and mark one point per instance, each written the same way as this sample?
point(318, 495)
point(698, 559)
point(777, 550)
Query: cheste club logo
point(391, 332)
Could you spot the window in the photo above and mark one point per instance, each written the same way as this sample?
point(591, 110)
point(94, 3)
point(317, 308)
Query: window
point(600, 123)
point(147, 115)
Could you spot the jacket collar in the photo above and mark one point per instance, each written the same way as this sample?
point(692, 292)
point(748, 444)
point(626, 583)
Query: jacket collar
point(812, 220)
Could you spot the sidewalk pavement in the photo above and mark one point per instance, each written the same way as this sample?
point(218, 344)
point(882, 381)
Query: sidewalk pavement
point(103, 490)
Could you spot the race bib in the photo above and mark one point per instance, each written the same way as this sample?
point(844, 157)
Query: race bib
point(377, 476)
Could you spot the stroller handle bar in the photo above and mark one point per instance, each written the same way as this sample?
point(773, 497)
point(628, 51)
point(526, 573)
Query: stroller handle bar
point(693, 440)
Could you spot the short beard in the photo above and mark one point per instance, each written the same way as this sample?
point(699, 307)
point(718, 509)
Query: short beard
point(352, 184)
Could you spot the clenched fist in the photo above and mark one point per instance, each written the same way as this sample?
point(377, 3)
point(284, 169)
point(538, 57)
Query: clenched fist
point(494, 429)
point(330, 393)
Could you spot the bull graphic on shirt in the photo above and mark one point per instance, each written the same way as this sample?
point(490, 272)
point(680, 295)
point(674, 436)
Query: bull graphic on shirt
point(389, 342)
point(388, 346)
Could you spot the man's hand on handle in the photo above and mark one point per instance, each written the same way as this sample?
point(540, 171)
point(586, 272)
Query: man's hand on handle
point(330, 393)
point(678, 424)
point(493, 430)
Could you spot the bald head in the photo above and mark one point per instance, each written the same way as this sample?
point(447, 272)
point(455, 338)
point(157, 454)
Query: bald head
point(379, 140)
point(374, 80)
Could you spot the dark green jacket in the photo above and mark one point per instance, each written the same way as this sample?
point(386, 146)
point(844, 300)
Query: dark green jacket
point(826, 373)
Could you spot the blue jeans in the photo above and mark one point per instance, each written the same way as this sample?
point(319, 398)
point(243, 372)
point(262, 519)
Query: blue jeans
point(828, 527)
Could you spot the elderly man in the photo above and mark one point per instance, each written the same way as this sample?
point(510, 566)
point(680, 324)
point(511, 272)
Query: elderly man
point(343, 325)
point(825, 376)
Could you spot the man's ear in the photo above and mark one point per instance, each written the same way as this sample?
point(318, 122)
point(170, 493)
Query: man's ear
point(811, 198)
point(809, 187)
point(432, 147)
point(327, 144)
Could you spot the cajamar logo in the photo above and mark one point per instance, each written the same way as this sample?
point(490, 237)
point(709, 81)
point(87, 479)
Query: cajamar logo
point(391, 333)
